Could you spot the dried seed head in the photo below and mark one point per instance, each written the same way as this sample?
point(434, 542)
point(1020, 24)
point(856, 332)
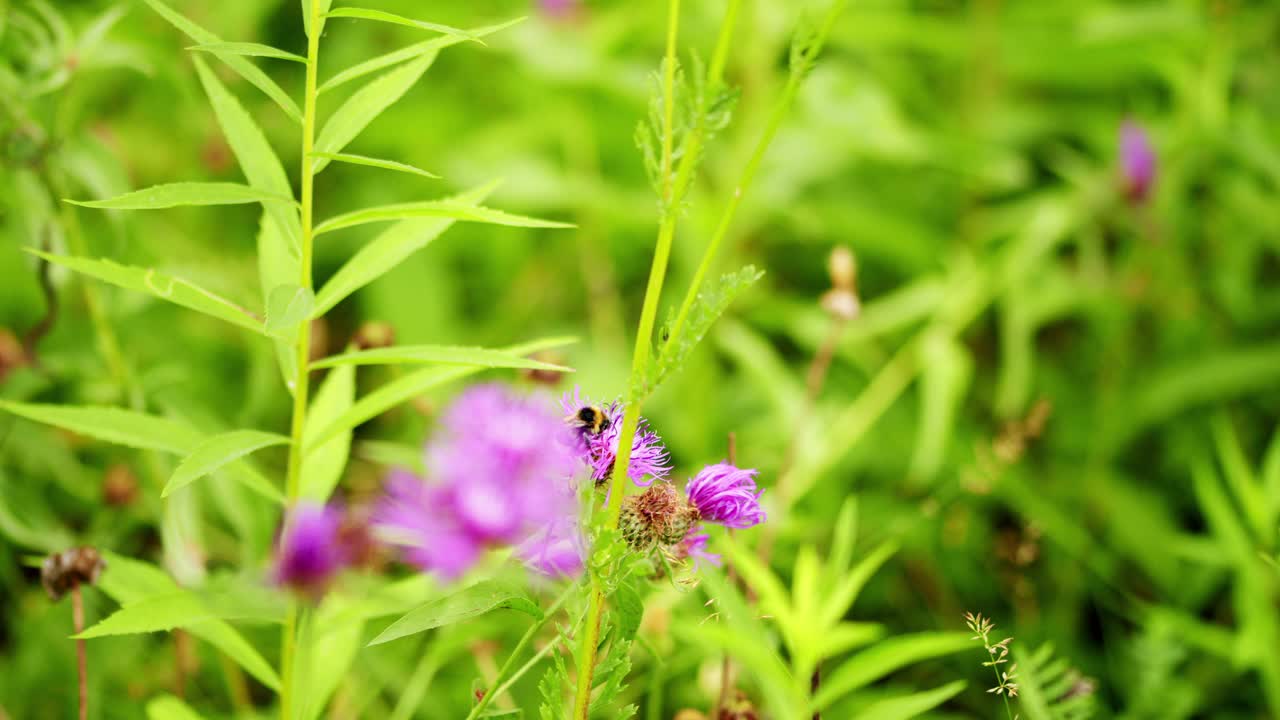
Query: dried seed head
point(63, 571)
point(739, 707)
point(841, 304)
point(119, 486)
point(660, 515)
point(374, 334)
point(843, 268)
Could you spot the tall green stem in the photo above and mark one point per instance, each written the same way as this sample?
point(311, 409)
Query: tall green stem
point(586, 659)
point(303, 350)
point(502, 681)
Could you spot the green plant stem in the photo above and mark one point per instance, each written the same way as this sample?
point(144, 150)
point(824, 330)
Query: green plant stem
point(586, 659)
point(303, 350)
point(500, 681)
point(780, 112)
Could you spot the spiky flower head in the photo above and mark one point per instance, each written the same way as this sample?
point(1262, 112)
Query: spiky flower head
point(500, 469)
point(1137, 162)
point(726, 495)
point(310, 551)
point(599, 450)
point(658, 516)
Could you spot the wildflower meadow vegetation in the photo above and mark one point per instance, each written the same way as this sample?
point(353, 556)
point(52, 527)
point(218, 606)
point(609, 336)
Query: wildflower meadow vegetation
point(724, 360)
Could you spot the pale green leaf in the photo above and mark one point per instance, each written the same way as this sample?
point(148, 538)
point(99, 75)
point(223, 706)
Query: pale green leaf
point(221, 635)
point(288, 306)
point(405, 54)
point(433, 208)
point(353, 116)
point(185, 193)
point(217, 451)
point(113, 425)
point(247, 48)
point(387, 250)
point(906, 706)
point(386, 17)
point(168, 707)
point(277, 266)
point(243, 67)
point(180, 608)
point(257, 159)
point(414, 384)
point(375, 162)
point(159, 285)
point(883, 658)
point(324, 463)
point(442, 354)
point(465, 604)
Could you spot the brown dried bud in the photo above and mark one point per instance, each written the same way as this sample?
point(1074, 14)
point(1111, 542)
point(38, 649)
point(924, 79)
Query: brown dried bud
point(841, 304)
point(119, 486)
point(739, 707)
point(544, 377)
point(843, 269)
point(12, 356)
point(660, 515)
point(65, 570)
point(374, 334)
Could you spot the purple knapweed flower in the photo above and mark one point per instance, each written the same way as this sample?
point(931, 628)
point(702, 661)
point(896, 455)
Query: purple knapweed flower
point(500, 470)
point(559, 8)
point(556, 550)
point(726, 495)
point(694, 546)
point(1137, 162)
point(599, 450)
point(310, 550)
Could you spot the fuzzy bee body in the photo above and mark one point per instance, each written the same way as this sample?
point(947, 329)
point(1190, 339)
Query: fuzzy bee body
point(591, 419)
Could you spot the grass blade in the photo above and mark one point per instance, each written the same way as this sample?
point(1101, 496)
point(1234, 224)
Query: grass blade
point(222, 49)
point(218, 451)
point(434, 208)
point(443, 354)
point(375, 162)
point(184, 193)
point(386, 17)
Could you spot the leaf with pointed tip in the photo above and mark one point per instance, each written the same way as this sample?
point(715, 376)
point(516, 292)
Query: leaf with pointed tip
point(184, 193)
point(287, 307)
point(386, 17)
point(257, 159)
point(434, 208)
point(909, 705)
point(416, 383)
point(465, 604)
point(180, 608)
point(243, 67)
point(160, 285)
point(387, 250)
point(217, 451)
point(375, 162)
point(883, 658)
point(441, 354)
point(324, 463)
point(247, 48)
point(113, 425)
point(168, 707)
point(277, 266)
point(353, 116)
point(405, 54)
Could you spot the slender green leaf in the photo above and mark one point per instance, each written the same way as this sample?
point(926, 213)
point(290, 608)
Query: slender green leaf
point(113, 425)
point(324, 463)
point(248, 48)
point(405, 54)
point(243, 67)
point(386, 17)
point(288, 306)
point(465, 604)
point(375, 162)
point(221, 635)
point(389, 249)
point(353, 116)
point(217, 451)
point(434, 208)
point(903, 707)
point(875, 662)
point(185, 193)
point(181, 608)
point(414, 384)
point(277, 266)
point(157, 284)
point(168, 707)
point(257, 159)
point(442, 354)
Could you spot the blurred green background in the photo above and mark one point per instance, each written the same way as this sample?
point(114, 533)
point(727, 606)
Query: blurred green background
point(1064, 404)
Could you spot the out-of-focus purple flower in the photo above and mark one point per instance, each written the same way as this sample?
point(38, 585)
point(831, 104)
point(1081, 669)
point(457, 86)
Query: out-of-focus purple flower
point(1137, 162)
point(310, 551)
point(559, 8)
point(555, 551)
point(694, 546)
point(726, 495)
point(599, 450)
point(500, 469)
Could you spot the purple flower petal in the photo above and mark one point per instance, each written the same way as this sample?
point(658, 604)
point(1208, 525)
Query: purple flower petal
point(727, 495)
point(309, 552)
point(1137, 161)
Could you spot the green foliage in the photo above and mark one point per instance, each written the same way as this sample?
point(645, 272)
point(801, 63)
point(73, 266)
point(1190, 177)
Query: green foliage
point(1048, 689)
point(470, 602)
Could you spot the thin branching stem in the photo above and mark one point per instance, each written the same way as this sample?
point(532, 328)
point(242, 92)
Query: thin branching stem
point(303, 348)
point(586, 659)
point(501, 680)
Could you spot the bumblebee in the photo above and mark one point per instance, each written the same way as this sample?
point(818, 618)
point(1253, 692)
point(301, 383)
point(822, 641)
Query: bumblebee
point(591, 419)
